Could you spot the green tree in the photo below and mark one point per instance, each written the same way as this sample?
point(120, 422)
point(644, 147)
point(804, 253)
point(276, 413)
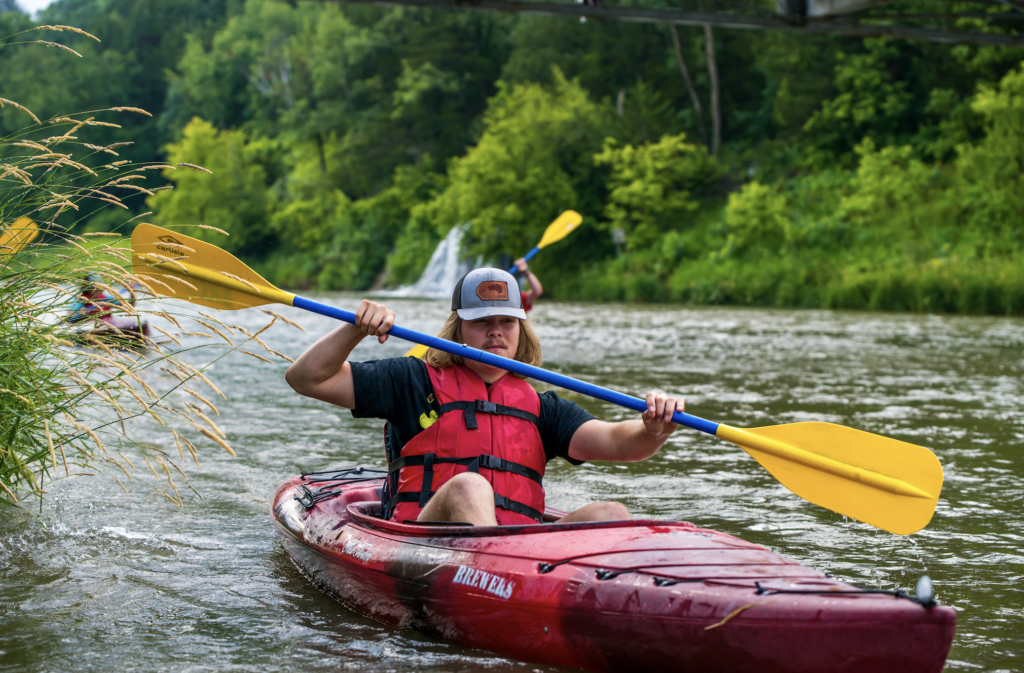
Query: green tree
point(525, 169)
point(651, 186)
point(871, 101)
point(758, 222)
point(889, 182)
point(387, 87)
point(232, 194)
point(993, 170)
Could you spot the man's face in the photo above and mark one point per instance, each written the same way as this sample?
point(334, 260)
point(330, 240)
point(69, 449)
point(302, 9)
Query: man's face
point(496, 334)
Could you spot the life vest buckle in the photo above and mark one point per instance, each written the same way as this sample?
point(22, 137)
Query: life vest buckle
point(493, 463)
point(486, 407)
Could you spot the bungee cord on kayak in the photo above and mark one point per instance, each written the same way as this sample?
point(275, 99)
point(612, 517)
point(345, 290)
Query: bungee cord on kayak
point(348, 475)
point(924, 596)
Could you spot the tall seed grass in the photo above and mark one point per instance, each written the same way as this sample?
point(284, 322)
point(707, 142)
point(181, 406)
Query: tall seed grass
point(68, 396)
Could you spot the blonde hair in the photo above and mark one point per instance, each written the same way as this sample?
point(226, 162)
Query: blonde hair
point(527, 352)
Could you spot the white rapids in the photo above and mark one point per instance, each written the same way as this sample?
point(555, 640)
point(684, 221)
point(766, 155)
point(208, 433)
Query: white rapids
point(443, 271)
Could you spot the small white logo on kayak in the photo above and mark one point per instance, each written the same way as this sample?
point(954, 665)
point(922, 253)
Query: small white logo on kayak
point(492, 584)
point(358, 548)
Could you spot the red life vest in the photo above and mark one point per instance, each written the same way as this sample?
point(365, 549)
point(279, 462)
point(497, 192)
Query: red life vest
point(491, 430)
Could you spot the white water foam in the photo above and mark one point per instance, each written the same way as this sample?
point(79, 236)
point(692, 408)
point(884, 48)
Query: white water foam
point(443, 271)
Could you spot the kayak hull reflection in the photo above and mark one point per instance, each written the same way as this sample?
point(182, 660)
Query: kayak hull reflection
point(603, 596)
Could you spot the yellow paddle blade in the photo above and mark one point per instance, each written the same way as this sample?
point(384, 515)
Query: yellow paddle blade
point(22, 232)
point(560, 228)
point(417, 351)
point(175, 265)
point(884, 482)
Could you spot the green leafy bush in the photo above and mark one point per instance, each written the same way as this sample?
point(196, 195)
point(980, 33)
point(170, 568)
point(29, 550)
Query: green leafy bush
point(757, 222)
point(523, 171)
point(650, 188)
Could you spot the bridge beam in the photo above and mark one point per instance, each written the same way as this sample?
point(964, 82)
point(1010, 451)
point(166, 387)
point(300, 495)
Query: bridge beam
point(722, 19)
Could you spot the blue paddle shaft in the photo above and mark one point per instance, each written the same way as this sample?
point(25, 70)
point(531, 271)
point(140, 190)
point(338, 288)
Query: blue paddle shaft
point(526, 257)
point(589, 389)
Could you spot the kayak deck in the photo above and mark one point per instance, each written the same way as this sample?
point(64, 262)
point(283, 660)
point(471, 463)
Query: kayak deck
point(602, 596)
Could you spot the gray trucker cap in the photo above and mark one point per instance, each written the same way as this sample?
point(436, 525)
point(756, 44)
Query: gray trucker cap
point(486, 292)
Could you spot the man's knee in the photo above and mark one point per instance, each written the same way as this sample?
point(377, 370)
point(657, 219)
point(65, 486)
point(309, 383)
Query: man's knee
point(468, 486)
point(598, 511)
point(610, 511)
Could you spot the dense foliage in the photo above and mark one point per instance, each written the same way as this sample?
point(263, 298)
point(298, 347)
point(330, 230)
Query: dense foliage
point(82, 350)
point(345, 141)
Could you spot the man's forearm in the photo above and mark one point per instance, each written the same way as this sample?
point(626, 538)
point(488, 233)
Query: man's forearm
point(624, 441)
point(323, 360)
point(634, 442)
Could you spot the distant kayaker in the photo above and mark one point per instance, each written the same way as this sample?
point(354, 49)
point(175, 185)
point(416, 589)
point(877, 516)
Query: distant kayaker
point(536, 289)
point(93, 299)
point(467, 441)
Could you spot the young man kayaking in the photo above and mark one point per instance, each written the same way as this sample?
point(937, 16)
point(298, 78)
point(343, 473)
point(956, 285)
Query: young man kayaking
point(466, 441)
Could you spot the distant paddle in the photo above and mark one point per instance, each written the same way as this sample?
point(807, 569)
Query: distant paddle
point(22, 232)
point(883, 482)
point(563, 225)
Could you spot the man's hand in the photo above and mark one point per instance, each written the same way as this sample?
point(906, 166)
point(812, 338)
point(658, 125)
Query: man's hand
point(521, 264)
point(374, 319)
point(658, 417)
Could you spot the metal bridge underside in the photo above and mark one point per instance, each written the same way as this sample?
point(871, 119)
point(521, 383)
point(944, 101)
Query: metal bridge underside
point(991, 22)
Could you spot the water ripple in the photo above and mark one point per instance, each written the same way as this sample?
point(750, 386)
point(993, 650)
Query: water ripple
point(127, 581)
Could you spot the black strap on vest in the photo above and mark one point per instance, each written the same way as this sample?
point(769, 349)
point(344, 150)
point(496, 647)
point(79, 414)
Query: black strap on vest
point(427, 460)
point(428, 479)
point(499, 501)
point(518, 508)
point(485, 407)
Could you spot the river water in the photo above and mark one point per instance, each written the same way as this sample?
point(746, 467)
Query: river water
point(128, 581)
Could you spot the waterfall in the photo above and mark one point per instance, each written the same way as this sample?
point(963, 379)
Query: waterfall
point(442, 272)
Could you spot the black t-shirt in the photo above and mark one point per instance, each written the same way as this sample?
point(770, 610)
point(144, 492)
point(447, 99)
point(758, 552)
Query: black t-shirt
point(399, 390)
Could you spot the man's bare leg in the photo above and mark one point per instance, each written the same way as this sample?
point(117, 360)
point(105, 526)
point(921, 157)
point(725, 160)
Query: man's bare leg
point(466, 497)
point(597, 511)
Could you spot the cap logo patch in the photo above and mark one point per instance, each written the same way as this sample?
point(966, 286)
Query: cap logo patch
point(492, 290)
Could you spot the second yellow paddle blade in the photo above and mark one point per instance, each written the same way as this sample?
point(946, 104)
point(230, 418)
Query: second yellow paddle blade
point(162, 257)
point(21, 232)
point(563, 225)
point(884, 482)
point(417, 351)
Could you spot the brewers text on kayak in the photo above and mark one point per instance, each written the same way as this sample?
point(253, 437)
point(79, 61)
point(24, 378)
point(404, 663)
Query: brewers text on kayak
point(466, 441)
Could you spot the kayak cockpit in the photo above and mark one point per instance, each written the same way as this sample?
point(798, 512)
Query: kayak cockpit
point(353, 495)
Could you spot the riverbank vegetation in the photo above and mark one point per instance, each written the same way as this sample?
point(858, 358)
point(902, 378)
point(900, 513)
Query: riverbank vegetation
point(345, 141)
point(70, 392)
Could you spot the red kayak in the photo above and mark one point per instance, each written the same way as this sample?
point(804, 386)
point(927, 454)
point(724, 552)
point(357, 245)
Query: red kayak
point(602, 596)
point(114, 327)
